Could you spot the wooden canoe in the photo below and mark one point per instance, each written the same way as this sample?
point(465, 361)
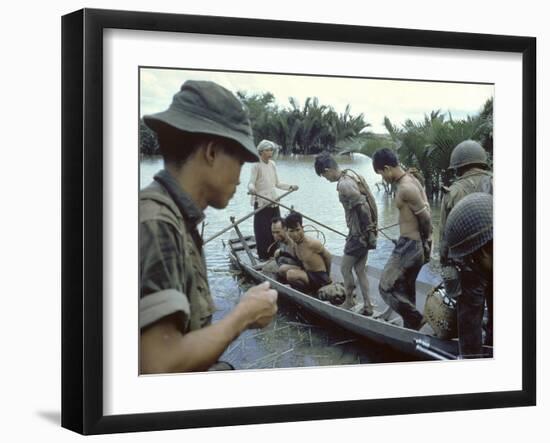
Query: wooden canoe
point(388, 332)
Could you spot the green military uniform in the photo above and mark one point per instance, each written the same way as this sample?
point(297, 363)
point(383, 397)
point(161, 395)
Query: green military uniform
point(172, 267)
point(474, 180)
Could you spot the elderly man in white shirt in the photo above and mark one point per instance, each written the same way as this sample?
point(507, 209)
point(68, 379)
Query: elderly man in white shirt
point(263, 181)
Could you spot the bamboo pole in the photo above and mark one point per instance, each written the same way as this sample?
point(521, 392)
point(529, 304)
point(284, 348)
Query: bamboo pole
point(303, 215)
point(245, 218)
point(321, 224)
point(243, 242)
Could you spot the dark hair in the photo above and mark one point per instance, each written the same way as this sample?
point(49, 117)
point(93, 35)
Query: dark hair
point(384, 157)
point(177, 146)
point(293, 219)
point(324, 161)
point(278, 220)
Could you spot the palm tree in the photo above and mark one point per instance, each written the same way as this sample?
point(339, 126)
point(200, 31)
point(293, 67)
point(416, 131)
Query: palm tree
point(448, 134)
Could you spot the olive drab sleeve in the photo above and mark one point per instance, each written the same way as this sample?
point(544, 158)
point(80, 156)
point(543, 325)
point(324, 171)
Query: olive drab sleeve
point(173, 276)
point(162, 290)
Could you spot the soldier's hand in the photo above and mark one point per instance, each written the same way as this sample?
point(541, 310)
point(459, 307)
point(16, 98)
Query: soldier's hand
point(451, 281)
point(427, 246)
point(294, 187)
point(260, 305)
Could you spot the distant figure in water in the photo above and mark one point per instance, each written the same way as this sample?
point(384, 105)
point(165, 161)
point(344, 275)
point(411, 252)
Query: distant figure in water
point(263, 181)
point(413, 249)
point(315, 260)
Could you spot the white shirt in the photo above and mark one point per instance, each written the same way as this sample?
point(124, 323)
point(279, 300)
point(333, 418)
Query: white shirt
point(263, 181)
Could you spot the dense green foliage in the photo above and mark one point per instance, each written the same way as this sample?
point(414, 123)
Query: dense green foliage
point(148, 143)
point(297, 130)
point(301, 130)
point(427, 145)
point(312, 128)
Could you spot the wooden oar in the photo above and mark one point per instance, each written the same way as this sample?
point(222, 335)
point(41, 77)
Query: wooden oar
point(303, 215)
point(246, 217)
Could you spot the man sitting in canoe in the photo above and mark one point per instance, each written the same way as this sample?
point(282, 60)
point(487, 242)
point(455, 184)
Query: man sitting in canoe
point(282, 250)
point(311, 253)
point(283, 247)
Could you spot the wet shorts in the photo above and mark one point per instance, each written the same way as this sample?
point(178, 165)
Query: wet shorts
point(317, 280)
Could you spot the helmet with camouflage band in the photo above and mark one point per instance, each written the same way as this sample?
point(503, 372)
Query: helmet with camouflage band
point(468, 152)
point(470, 224)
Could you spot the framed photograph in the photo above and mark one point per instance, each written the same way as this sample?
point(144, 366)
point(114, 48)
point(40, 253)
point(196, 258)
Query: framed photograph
point(338, 118)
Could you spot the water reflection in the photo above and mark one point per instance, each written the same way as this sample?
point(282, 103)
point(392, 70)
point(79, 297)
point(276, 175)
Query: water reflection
point(295, 339)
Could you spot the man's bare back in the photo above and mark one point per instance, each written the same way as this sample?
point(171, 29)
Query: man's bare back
point(311, 252)
point(412, 202)
point(314, 257)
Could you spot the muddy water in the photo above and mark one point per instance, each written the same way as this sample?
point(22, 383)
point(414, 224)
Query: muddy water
point(295, 339)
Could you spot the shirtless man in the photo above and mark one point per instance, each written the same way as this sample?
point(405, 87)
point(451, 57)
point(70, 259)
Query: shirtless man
point(398, 281)
point(311, 253)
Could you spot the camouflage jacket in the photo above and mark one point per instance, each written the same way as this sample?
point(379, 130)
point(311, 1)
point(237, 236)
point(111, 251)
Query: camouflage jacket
point(173, 278)
point(475, 180)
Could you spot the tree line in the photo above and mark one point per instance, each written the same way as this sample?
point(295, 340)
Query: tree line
point(307, 129)
point(425, 145)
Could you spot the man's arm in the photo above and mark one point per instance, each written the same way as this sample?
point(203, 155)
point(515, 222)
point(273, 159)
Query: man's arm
point(280, 185)
point(414, 199)
point(318, 248)
point(364, 214)
point(327, 258)
point(164, 348)
point(253, 178)
point(349, 192)
point(443, 249)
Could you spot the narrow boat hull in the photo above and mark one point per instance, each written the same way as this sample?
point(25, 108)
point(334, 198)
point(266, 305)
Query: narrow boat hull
point(418, 343)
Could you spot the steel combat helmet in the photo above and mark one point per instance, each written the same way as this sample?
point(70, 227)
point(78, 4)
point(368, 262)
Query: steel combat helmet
point(470, 224)
point(468, 152)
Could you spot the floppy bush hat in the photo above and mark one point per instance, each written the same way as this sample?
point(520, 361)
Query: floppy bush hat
point(207, 108)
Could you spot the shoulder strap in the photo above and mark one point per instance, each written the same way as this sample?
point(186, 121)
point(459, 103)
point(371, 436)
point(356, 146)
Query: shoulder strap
point(365, 190)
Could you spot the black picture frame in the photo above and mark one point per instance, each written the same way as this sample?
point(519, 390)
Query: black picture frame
point(82, 220)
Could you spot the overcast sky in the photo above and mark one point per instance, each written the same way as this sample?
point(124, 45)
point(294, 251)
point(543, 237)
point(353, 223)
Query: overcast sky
point(374, 98)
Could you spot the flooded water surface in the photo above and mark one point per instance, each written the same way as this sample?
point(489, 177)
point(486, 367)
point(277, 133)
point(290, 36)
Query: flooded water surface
point(295, 338)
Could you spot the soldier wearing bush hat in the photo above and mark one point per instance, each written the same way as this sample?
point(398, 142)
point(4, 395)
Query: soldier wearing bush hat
point(204, 137)
point(469, 235)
